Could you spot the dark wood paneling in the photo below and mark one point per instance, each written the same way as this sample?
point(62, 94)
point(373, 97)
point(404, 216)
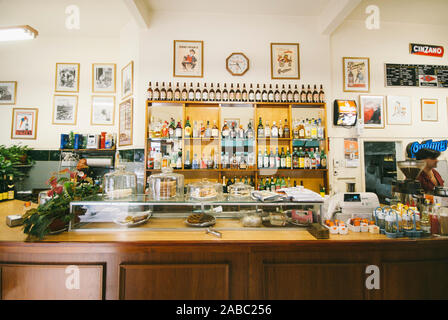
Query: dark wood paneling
point(48, 282)
point(180, 282)
point(415, 279)
point(313, 281)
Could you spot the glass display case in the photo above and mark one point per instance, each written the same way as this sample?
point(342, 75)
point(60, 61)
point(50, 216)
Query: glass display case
point(119, 184)
point(166, 185)
point(140, 212)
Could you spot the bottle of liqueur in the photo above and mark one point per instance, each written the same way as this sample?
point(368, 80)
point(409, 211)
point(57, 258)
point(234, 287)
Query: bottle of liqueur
point(179, 160)
point(184, 94)
point(317, 156)
point(229, 183)
point(278, 185)
point(283, 159)
point(264, 94)
point(283, 94)
point(211, 93)
point(270, 94)
point(308, 128)
point(323, 160)
point(267, 130)
point(273, 184)
point(202, 130)
point(301, 130)
point(313, 164)
point(295, 159)
point(156, 94)
point(271, 159)
point(238, 94)
point(215, 130)
point(218, 95)
point(278, 159)
point(205, 93)
point(320, 130)
point(177, 93)
point(290, 94)
point(187, 163)
point(260, 160)
point(286, 130)
point(251, 95)
point(296, 94)
point(198, 93)
point(266, 158)
point(301, 159)
point(309, 95)
point(225, 131)
point(321, 95)
point(258, 95)
point(224, 186)
point(315, 95)
point(277, 96)
point(171, 129)
point(244, 95)
point(280, 130)
point(288, 159)
point(163, 92)
point(169, 93)
point(231, 93)
point(274, 130)
point(303, 94)
point(208, 130)
point(149, 94)
point(5, 188)
point(313, 129)
point(188, 129)
point(225, 94)
point(191, 93)
point(260, 129)
point(179, 130)
point(233, 131)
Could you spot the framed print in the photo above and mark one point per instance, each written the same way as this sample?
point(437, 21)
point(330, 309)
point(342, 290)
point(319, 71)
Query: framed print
point(67, 77)
point(430, 109)
point(104, 77)
point(103, 111)
point(65, 109)
point(8, 92)
point(188, 58)
point(127, 80)
point(285, 63)
point(24, 123)
point(126, 122)
point(399, 110)
point(356, 73)
point(372, 111)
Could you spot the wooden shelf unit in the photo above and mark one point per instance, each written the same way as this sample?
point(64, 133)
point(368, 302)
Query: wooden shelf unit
point(203, 111)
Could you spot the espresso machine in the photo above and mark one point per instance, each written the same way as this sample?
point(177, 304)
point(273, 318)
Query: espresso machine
point(408, 191)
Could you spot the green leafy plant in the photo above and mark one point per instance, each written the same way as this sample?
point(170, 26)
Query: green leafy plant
point(55, 213)
point(12, 158)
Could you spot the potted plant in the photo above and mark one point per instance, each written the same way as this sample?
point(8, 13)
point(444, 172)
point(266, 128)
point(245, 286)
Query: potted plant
point(54, 215)
point(15, 160)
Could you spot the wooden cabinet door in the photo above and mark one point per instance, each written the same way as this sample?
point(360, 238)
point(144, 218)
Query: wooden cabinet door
point(174, 281)
point(51, 282)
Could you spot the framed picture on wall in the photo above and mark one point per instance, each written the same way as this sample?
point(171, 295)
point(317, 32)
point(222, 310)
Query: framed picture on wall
point(67, 77)
point(126, 122)
point(356, 72)
point(399, 110)
point(127, 80)
point(65, 109)
point(8, 92)
point(103, 111)
point(103, 77)
point(372, 111)
point(188, 58)
point(430, 109)
point(285, 63)
point(24, 123)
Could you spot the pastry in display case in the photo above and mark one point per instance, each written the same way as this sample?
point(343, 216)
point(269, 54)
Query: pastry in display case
point(240, 190)
point(204, 190)
point(119, 184)
point(166, 185)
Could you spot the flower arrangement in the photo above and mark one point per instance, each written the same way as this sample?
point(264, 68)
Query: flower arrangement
point(55, 215)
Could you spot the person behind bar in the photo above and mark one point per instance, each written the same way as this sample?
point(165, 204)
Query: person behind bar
point(429, 177)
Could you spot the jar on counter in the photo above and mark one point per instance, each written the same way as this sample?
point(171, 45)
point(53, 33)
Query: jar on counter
point(434, 219)
point(390, 224)
point(380, 219)
point(443, 220)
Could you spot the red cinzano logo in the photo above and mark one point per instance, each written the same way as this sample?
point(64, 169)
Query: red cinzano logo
point(426, 50)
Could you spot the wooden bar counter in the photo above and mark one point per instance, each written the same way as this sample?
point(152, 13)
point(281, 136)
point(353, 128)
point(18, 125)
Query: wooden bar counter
point(278, 264)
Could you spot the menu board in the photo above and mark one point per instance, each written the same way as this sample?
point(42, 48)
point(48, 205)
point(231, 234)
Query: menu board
point(416, 75)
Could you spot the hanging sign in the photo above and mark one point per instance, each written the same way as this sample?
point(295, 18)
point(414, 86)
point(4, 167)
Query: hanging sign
point(415, 147)
point(426, 50)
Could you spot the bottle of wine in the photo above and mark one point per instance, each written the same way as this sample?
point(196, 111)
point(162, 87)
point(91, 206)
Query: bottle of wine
point(309, 95)
point(283, 159)
point(277, 96)
point(218, 96)
point(198, 93)
point(215, 130)
point(156, 93)
point(270, 94)
point(244, 93)
point(283, 94)
point(238, 93)
point(288, 159)
point(188, 130)
point(163, 92)
point(169, 93)
point(274, 130)
point(149, 94)
point(211, 93)
point(290, 94)
point(184, 95)
point(280, 130)
point(267, 130)
point(231, 93)
point(251, 95)
point(258, 94)
point(260, 129)
point(303, 94)
point(191, 92)
point(286, 130)
point(296, 97)
point(321, 95)
point(315, 95)
point(225, 132)
point(224, 186)
point(264, 94)
point(225, 94)
point(205, 93)
point(177, 93)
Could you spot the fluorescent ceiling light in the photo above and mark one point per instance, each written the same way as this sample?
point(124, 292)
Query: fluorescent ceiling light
point(17, 33)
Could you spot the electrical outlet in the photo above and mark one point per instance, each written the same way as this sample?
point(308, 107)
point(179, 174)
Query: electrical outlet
point(336, 163)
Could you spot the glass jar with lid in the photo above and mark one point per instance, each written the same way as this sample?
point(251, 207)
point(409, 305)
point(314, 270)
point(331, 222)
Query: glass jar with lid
point(119, 184)
point(204, 190)
point(240, 190)
point(166, 185)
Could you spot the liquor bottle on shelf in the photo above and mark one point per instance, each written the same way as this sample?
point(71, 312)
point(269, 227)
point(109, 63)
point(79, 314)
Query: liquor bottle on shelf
point(286, 130)
point(266, 158)
point(233, 132)
point(321, 95)
point(277, 96)
point(280, 130)
point(171, 129)
point(211, 93)
point(264, 94)
point(149, 93)
point(238, 96)
point(169, 93)
point(320, 130)
point(11, 188)
point(309, 95)
point(179, 160)
point(224, 186)
point(307, 129)
point(184, 94)
point(288, 159)
point(225, 132)
point(274, 130)
point(314, 129)
point(315, 95)
point(195, 164)
point(177, 93)
point(260, 129)
point(283, 94)
point(295, 159)
point(215, 158)
point(260, 160)
point(231, 93)
point(250, 131)
point(267, 130)
point(270, 94)
point(202, 130)
point(301, 158)
point(277, 159)
point(218, 96)
point(179, 130)
point(303, 94)
point(296, 94)
point(215, 130)
point(323, 160)
point(225, 94)
point(289, 94)
point(205, 93)
point(208, 130)
point(156, 94)
point(241, 134)
point(163, 92)
point(187, 163)
point(283, 159)
point(317, 156)
point(258, 96)
point(313, 163)
point(188, 130)
point(302, 130)
point(198, 93)
point(295, 130)
point(244, 95)
point(191, 92)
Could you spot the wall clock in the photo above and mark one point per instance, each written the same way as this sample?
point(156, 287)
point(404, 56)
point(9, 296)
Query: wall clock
point(237, 64)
